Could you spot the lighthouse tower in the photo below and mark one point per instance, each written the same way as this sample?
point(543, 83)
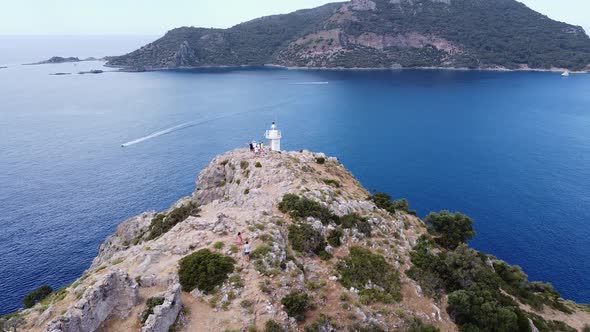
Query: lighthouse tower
point(274, 137)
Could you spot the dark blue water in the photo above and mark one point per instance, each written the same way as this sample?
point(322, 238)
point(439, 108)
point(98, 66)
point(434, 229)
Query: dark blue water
point(512, 150)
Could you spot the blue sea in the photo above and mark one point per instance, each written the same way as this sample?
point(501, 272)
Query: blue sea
point(509, 149)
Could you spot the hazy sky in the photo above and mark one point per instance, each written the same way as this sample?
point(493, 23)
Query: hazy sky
point(155, 17)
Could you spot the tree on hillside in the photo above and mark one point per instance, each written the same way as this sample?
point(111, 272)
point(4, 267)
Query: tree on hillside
point(450, 229)
point(36, 295)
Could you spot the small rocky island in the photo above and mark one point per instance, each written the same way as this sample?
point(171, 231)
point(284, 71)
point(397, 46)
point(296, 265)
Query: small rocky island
point(326, 255)
point(58, 59)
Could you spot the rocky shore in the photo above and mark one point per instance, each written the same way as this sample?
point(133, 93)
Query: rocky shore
point(134, 283)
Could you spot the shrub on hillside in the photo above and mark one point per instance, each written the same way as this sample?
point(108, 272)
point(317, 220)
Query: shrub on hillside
point(304, 238)
point(162, 223)
point(204, 270)
point(417, 325)
point(322, 323)
point(36, 296)
point(301, 207)
point(543, 325)
point(383, 201)
point(476, 291)
point(334, 237)
point(272, 326)
point(151, 303)
point(320, 160)
point(361, 266)
point(260, 251)
point(354, 220)
point(481, 309)
point(535, 294)
point(296, 303)
point(450, 229)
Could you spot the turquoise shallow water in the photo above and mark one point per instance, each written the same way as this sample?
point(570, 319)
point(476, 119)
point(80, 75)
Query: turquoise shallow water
point(512, 150)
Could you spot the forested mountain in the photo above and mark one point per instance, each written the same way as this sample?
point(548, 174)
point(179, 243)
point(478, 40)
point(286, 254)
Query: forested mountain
point(379, 34)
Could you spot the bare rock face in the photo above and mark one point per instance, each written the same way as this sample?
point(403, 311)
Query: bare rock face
point(114, 295)
point(363, 5)
point(185, 55)
point(125, 235)
point(165, 314)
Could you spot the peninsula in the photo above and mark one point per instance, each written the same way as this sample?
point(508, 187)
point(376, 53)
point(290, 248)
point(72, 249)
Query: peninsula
point(382, 34)
point(325, 255)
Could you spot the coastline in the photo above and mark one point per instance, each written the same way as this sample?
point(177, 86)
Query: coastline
point(275, 66)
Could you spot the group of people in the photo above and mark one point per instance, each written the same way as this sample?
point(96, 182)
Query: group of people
point(240, 243)
point(256, 148)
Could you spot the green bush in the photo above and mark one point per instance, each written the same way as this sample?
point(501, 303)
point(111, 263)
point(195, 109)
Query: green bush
point(332, 183)
point(162, 223)
point(244, 164)
point(272, 326)
point(247, 305)
point(296, 304)
point(476, 298)
point(204, 270)
point(301, 207)
point(260, 251)
point(322, 323)
point(353, 220)
point(152, 302)
point(304, 238)
point(320, 160)
point(552, 325)
point(481, 309)
point(258, 164)
point(362, 266)
point(36, 295)
point(334, 237)
point(450, 229)
point(383, 201)
point(417, 325)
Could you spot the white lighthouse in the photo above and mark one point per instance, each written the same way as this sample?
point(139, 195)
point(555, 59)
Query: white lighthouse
point(274, 137)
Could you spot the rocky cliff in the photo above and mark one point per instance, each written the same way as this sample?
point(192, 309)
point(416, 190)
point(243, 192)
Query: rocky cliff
point(134, 284)
point(486, 34)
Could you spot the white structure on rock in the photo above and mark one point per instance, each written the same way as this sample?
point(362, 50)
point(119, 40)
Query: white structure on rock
point(274, 137)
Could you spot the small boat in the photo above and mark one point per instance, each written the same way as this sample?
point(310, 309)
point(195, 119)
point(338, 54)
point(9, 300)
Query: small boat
point(565, 74)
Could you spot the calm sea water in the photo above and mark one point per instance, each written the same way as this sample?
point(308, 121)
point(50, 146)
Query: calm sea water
point(512, 150)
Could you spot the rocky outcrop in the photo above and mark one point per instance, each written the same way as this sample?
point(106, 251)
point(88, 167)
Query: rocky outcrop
point(185, 55)
point(363, 5)
point(240, 192)
point(114, 295)
point(165, 314)
point(126, 234)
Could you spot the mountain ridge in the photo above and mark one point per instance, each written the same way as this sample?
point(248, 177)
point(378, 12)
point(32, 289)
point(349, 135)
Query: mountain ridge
point(378, 34)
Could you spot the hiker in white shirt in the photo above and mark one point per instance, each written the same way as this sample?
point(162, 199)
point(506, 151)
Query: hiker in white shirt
point(247, 251)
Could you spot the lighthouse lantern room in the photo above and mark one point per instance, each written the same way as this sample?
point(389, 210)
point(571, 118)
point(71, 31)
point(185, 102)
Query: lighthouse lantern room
point(274, 137)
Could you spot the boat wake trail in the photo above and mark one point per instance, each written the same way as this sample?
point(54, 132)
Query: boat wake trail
point(196, 123)
point(160, 133)
point(310, 83)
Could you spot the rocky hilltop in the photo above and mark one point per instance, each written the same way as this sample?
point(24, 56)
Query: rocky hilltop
point(477, 34)
point(326, 256)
